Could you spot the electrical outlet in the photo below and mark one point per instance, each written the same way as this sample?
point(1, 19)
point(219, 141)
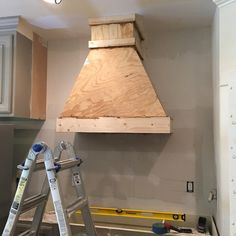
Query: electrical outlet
point(190, 187)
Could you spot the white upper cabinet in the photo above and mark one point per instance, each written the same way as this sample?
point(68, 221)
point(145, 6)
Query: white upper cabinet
point(6, 56)
point(23, 72)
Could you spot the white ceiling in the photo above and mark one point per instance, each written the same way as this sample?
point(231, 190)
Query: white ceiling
point(70, 19)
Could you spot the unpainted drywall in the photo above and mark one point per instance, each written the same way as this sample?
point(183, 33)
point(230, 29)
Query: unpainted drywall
point(146, 171)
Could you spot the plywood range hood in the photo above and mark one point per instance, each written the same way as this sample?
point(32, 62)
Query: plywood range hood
point(113, 93)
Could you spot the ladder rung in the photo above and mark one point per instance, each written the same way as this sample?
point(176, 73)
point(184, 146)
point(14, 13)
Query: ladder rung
point(33, 201)
point(27, 232)
point(65, 164)
point(78, 204)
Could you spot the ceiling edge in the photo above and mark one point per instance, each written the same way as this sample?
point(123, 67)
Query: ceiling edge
point(222, 3)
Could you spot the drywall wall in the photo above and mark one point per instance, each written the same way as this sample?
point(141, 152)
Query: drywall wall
point(224, 63)
point(221, 171)
point(146, 171)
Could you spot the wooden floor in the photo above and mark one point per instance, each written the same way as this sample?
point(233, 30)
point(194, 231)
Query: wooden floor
point(50, 218)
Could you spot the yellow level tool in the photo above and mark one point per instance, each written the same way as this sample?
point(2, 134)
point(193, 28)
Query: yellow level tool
point(143, 214)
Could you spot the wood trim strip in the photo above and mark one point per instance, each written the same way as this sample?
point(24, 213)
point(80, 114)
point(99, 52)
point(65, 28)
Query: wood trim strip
point(117, 43)
point(112, 20)
point(112, 43)
point(115, 125)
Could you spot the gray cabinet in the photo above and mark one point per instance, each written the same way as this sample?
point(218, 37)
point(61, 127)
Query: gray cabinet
point(22, 72)
point(6, 56)
point(6, 170)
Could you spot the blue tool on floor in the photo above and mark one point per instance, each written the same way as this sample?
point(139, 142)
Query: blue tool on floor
point(159, 228)
point(163, 228)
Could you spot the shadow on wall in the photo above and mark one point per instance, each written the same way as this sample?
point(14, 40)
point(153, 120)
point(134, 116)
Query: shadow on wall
point(205, 162)
point(117, 146)
point(122, 166)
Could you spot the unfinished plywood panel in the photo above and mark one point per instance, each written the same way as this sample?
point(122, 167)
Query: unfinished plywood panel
point(113, 83)
point(113, 93)
point(116, 32)
point(133, 18)
point(112, 43)
point(39, 78)
point(112, 19)
point(115, 125)
point(112, 31)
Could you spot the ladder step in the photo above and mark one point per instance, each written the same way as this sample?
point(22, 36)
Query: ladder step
point(33, 201)
point(64, 164)
point(78, 204)
point(27, 232)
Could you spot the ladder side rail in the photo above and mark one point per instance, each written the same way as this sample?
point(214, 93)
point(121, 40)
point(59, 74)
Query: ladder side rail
point(61, 215)
point(38, 215)
point(23, 184)
point(85, 211)
point(80, 190)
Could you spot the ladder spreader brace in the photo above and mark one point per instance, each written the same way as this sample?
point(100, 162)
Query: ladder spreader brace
point(53, 165)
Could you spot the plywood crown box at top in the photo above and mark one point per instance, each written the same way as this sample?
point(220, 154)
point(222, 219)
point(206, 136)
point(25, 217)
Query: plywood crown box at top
point(117, 31)
point(113, 92)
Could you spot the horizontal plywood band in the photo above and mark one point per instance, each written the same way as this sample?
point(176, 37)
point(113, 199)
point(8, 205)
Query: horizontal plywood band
point(112, 19)
point(112, 43)
point(115, 125)
point(117, 43)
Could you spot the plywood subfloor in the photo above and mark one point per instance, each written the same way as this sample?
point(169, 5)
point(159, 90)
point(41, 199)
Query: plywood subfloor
point(51, 218)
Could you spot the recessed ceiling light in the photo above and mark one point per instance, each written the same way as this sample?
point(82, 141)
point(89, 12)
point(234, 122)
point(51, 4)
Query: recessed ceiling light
point(53, 1)
point(58, 1)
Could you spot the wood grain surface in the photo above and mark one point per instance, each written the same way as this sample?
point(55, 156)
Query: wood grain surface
point(112, 31)
point(135, 18)
point(115, 125)
point(39, 78)
point(113, 83)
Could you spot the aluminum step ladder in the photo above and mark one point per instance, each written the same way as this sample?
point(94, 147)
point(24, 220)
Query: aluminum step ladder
point(21, 204)
point(52, 169)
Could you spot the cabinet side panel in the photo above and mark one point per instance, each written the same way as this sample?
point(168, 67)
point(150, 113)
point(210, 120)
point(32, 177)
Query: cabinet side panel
point(39, 79)
point(22, 76)
point(6, 156)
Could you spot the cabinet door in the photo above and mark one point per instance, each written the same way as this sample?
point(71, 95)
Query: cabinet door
point(6, 56)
